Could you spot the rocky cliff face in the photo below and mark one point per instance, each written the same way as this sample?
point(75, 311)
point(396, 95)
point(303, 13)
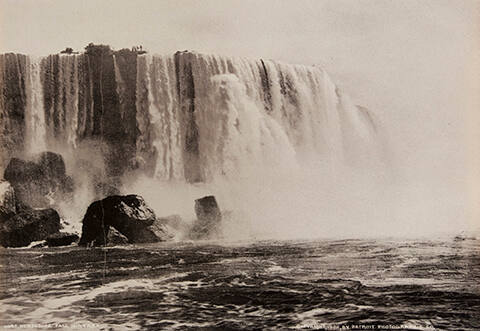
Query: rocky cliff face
point(41, 183)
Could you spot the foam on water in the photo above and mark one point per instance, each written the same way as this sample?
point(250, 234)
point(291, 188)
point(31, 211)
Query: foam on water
point(274, 284)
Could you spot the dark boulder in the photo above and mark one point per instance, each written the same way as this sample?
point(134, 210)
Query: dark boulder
point(18, 169)
point(52, 165)
point(207, 209)
point(61, 239)
point(42, 183)
point(128, 214)
point(28, 225)
point(27, 179)
point(209, 218)
point(8, 204)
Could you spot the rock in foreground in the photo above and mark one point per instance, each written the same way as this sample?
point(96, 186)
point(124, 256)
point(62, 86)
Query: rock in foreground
point(8, 205)
point(128, 214)
point(209, 218)
point(61, 239)
point(28, 225)
point(39, 184)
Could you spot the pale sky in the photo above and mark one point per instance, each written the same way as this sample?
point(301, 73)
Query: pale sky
point(414, 63)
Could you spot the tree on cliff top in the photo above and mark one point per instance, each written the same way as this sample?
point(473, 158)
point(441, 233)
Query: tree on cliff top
point(125, 52)
point(67, 50)
point(92, 49)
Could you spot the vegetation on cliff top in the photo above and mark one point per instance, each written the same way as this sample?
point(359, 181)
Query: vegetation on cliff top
point(93, 49)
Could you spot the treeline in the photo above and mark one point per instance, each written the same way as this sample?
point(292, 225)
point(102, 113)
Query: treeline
point(99, 49)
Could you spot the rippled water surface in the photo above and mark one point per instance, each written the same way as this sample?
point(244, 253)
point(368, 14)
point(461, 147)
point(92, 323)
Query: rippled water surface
point(269, 285)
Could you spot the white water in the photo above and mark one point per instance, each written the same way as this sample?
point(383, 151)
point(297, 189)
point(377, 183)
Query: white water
point(249, 114)
point(35, 130)
point(68, 95)
point(283, 165)
point(71, 87)
point(241, 124)
point(160, 82)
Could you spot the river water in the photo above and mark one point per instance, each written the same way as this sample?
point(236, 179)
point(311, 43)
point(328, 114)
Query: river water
point(328, 284)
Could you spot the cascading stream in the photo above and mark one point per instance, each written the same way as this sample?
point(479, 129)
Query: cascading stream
point(164, 119)
point(35, 128)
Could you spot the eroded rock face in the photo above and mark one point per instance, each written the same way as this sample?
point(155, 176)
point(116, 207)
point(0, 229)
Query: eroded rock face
point(28, 225)
point(42, 183)
point(128, 214)
point(209, 218)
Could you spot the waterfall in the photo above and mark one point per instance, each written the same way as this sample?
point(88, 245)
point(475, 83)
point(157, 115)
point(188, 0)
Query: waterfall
point(183, 117)
point(261, 112)
point(35, 129)
point(69, 65)
point(164, 117)
point(61, 98)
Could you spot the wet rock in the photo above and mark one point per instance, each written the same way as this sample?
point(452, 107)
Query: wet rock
point(18, 169)
point(209, 218)
point(114, 238)
point(21, 225)
point(129, 214)
point(8, 206)
point(42, 183)
point(207, 209)
point(161, 230)
point(28, 225)
point(61, 239)
point(52, 165)
point(111, 237)
point(27, 179)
